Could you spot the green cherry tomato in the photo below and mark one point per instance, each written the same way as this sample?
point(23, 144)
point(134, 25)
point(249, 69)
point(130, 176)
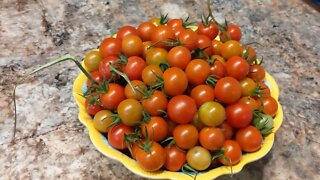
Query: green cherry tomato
point(92, 60)
point(102, 120)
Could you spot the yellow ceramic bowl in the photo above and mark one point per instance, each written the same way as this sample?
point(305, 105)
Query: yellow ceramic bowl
point(101, 143)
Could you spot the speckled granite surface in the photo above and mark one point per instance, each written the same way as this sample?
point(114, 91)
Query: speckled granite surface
point(53, 144)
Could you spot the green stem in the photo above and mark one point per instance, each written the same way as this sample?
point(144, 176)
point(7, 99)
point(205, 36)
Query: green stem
point(125, 77)
point(66, 57)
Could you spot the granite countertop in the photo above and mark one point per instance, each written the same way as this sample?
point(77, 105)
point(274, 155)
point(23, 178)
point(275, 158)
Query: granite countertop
point(52, 143)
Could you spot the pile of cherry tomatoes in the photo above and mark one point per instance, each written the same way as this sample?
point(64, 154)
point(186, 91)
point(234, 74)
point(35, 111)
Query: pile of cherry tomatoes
point(177, 98)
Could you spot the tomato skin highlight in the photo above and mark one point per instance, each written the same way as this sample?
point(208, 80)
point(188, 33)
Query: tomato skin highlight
point(249, 138)
point(175, 158)
point(145, 29)
point(185, 136)
point(270, 106)
point(239, 115)
point(179, 56)
point(132, 45)
point(152, 160)
point(116, 136)
point(257, 72)
point(197, 71)
point(189, 38)
point(211, 31)
point(134, 68)
point(181, 109)
point(126, 31)
point(104, 67)
point(231, 48)
point(155, 104)
point(92, 60)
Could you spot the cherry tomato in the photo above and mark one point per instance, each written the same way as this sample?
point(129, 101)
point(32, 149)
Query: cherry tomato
point(104, 67)
point(237, 67)
point(156, 56)
point(249, 138)
point(110, 46)
point(162, 33)
point(270, 105)
point(92, 108)
point(239, 115)
point(145, 30)
point(250, 101)
point(92, 60)
point(145, 48)
point(155, 104)
point(202, 94)
point(211, 138)
point(233, 32)
point(232, 153)
point(216, 47)
point(211, 31)
point(257, 72)
point(189, 38)
point(185, 136)
point(133, 69)
point(179, 56)
point(247, 86)
point(175, 81)
point(116, 136)
point(181, 109)
point(212, 114)
point(218, 58)
point(153, 159)
point(139, 87)
point(197, 71)
point(113, 97)
point(130, 112)
point(126, 31)
point(157, 129)
point(251, 54)
point(227, 90)
point(199, 158)
point(227, 130)
point(132, 45)
point(174, 23)
point(150, 73)
point(155, 21)
point(218, 69)
point(175, 158)
point(230, 48)
point(177, 31)
point(102, 120)
point(97, 76)
point(204, 42)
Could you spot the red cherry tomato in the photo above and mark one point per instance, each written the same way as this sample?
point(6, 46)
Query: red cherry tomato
point(227, 90)
point(175, 23)
point(97, 76)
point(175, 81)
point(257, 72)
point(189, 38)
point(92, 108)
point(126, 31)
point(179, 56)
point(239, 115)
point(162, 33)
point(112, 98)
point(270, 105)
point(202, 94)
point(157, 129)
point(218, 69)
point(232, 153)
point(104, 67)
point(155, 104)
point(185, 136)
point(132, 45)
point(211, 138)
point(211, 31)
point(110, 46)
point(205, 42)
point(175, 158)
point(181, 109)
point(133, 69)
point(116, 136)
point(145, 29)
point(153, 159)
point(233, 32)
point(249, 138)
point(197, 71)
point(237, 67)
